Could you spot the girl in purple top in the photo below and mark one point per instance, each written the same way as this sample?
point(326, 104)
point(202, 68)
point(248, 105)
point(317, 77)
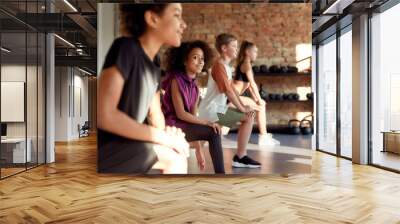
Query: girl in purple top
point(179, 103)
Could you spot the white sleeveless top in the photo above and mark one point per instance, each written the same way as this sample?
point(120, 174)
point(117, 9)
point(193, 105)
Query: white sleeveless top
point(214, 101)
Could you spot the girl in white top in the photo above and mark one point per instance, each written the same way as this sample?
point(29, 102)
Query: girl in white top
point(215, 101)
point(219, 90)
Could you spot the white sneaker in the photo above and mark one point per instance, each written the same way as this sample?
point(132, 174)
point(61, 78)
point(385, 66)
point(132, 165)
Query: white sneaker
point(267, 140)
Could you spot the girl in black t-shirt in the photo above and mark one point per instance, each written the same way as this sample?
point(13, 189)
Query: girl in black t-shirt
point(132, 137)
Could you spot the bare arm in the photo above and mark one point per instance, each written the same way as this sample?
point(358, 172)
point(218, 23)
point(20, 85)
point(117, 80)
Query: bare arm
point(225, 86)
point(180, 109)
point(253, 85)
point(195, 108)
point(155, 116)
point(233, 96)
point(253, 95)
point(111, 119)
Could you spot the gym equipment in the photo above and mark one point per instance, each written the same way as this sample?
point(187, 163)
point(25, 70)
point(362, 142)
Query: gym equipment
point(277, 128)
point(263, 93)
point(278, 97)
point(285, 96)
point(256, 69)
point(310, 96)
point(275, 69)
point(306, 71)
point(285, 69)
point(271, 96)
point(293, 96)
point(294, 127)
point(292, 69)
point(264, 68)
point(306, 125)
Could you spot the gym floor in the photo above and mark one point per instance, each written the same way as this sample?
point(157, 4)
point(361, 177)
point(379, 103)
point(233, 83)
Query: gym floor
point(292, 156)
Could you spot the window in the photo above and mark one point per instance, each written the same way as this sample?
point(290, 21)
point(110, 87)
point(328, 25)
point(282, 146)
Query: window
point(385, 87)
point(346, 93)
point(22, 65)
point(327, 96)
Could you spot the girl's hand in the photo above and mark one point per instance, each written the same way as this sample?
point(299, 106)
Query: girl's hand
point(256, 108)
point(176, 140)
point(216, 127)
point(247, 109)
point(174, 131)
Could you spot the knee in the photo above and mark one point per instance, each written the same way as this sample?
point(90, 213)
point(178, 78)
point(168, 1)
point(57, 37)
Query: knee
point(262, 105)
point(249, 119)
point(213, 136)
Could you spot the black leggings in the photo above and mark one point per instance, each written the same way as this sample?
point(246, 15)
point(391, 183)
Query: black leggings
point(196, 132)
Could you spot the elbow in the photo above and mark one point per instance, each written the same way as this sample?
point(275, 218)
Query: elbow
point(229, 92)
point(181, 115)
point(103, 119)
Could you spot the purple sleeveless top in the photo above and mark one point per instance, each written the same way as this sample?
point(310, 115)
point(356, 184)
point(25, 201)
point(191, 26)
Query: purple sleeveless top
point(189, 92)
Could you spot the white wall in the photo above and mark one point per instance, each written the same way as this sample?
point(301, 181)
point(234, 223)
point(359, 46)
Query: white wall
point(80, 100)
point(107, 30)
point(61, 103)
point(70, 84)
point(14, 73)
point(33, 126)
point(17, 73)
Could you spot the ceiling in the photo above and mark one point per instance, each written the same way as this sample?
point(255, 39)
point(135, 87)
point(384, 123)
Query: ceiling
point(73, 20)
point(330, 15)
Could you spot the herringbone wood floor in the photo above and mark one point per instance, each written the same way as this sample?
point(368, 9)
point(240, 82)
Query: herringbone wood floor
point(70, 191)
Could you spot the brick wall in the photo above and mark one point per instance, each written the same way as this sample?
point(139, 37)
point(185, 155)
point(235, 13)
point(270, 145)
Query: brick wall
point(275, 28)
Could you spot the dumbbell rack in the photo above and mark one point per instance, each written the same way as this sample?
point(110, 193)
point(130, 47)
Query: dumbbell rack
point(260, 74)
point(290, 81)
point(289, 101)
point(263, 77)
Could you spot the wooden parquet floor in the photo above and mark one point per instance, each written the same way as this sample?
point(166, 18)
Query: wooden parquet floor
point(70, 191)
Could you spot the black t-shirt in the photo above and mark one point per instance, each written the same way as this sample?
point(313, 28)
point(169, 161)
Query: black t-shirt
point(142, 77)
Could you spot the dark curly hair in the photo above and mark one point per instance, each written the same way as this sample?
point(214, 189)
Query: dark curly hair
point(132, 17)
point(176, 56)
